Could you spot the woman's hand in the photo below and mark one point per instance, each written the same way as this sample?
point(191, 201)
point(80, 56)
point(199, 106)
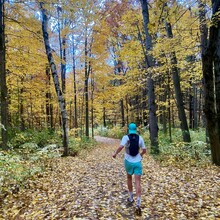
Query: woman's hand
point(114, 155)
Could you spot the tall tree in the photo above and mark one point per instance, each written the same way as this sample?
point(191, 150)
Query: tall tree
point(210, 48)
point(75, 123)
point(62, 22)
point(153, 125)
point(86, 85)
point(55, 77)
point(178, 93)
point(3, 86)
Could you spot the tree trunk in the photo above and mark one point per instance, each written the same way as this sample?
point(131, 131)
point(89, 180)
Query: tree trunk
point(62, 43)
point(55, 78)
point(127, 110)
point(200, 108)
point(152, 116)
point(164, 110)
point(153, 126)
point(104, 117)
point(4, 90)
point(63, 68)
point(49, 111)
point(191, 104)
point(177, 88)
point(74, 88)
point(211, 73)
point(122, 113)
point(21, 108)
point(86, 87)
point(195, 107)
point(92, 101)
point(144, 108)
point(215, 39)
point(169, 107)
point(145, 91)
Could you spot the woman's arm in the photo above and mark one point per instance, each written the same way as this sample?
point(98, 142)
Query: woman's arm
point(117, 151)
point(143, 152)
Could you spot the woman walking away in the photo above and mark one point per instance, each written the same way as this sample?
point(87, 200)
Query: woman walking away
point(132, 161)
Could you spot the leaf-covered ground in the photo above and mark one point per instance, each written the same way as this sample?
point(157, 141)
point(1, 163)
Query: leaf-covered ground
point(93, 186)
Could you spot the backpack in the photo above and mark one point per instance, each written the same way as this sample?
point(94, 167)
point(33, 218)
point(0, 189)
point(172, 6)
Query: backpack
point(133, 144)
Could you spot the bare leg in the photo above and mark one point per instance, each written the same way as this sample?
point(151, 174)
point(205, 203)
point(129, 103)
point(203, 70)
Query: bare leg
point(138, 188)
point(129, 182)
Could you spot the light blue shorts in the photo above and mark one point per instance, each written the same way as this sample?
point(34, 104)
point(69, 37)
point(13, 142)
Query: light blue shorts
point(133, 168)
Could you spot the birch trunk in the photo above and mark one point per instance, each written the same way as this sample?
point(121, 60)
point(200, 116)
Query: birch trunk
point(55, 78)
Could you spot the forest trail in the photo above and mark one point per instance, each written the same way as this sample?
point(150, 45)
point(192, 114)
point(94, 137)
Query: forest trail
point(93, 186)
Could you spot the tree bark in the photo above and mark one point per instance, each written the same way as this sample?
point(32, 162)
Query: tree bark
point(191, 104)
point(62, 43)
point(92, 101)
point(215, 38)
point(169, 107)
point(49, 107)
point(63, 67)
point(211, 73)
point(122, 113)
point(55, 78)
point(74, 87)
point(104, 117)
point(177, 88)
point(195, 107)
point(153, 125)
point(86, 87)
point(3, 85)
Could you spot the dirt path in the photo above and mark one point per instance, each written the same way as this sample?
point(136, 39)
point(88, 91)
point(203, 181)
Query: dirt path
point(93, 186)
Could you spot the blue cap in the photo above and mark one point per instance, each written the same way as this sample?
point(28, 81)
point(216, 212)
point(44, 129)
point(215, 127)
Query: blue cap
point(132, 128)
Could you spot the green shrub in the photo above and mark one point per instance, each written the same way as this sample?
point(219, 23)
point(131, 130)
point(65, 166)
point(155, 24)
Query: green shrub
point(102, 131)
point(196, 152)
point(76, 145)
point(20, 164)
point(41, 138)
point(115, 132)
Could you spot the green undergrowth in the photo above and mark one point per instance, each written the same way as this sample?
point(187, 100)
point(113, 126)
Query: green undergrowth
point(182, 154)
point(30, 154)
point(115, 132)
point(41, 138)
point(80, 144)
point(18, 165)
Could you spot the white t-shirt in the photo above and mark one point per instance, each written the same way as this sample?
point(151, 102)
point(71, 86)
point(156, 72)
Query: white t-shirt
point(125, 143)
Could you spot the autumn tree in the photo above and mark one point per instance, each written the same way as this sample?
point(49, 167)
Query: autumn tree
point(26, 63)
point(176, 54)
point(176, 82)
